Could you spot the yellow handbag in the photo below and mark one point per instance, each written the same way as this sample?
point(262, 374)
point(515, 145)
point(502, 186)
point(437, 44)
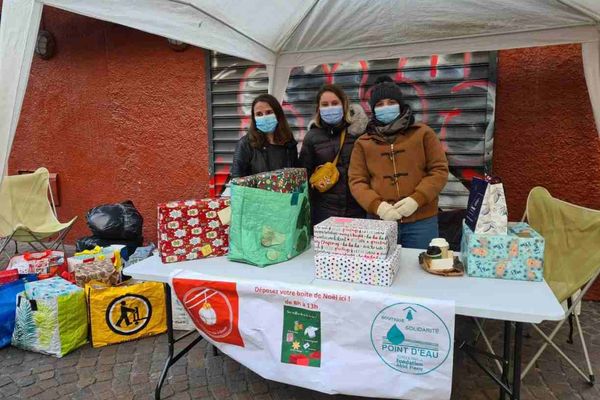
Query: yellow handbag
point(327, 175)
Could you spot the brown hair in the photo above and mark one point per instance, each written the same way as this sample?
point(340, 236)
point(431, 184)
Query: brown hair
point(335, 89)
point(282, 133)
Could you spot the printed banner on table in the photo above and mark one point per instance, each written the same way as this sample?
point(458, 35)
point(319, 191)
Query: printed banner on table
point(355, 342)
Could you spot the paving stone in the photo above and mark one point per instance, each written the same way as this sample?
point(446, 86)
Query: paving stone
point(45, 375)
point(43, 368)
point(258, 387)
point(31, 391)
point(85, 381)
point(67, 389)
point(25, 381)
point(47, 384)
point(67, 378)
point(50, 394)
point(10, 389)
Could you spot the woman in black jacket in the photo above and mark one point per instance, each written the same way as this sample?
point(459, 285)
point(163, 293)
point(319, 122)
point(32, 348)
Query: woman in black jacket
point(322, 143)
point(269, 143)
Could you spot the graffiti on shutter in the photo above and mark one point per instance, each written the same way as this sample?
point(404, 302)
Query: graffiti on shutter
point(454, 94)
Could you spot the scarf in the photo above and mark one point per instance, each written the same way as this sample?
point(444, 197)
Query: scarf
point(399, 125)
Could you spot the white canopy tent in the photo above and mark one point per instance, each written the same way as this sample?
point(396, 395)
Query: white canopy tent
point(287, 33)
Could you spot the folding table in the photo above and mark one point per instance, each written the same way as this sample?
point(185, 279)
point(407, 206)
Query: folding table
point(514, 302)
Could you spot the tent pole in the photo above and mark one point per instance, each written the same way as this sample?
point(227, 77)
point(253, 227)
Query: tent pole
point(591, 68)
point(18, 35)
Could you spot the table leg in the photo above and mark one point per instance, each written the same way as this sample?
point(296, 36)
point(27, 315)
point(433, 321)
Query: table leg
point(516, 379)
point(172, 358)
point(505, 358)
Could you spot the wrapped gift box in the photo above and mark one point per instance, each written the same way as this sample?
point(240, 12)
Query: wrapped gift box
point(8, 276)
point(193, 229)
point(49, 288)
point(371, 271)
point(286, 180)
point(519, 255)
point(43, 262)
point(367, 238)
point(112, 253)
point(103, 271)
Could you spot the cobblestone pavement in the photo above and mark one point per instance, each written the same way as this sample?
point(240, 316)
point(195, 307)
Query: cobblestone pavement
point(130, 371)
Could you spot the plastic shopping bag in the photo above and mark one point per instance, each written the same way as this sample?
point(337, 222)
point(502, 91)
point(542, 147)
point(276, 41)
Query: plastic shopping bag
point(8, 307)
point(126, 312)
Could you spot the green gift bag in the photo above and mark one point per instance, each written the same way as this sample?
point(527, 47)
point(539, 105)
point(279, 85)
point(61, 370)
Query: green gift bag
point(268, 227)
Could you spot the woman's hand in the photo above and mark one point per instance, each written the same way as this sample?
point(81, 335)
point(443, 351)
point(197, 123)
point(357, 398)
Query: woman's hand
point(387, 212)
point(406, 207)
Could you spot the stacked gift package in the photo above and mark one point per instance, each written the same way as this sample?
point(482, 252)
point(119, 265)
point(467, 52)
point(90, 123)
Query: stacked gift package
point(357, 250)
point(193, 229)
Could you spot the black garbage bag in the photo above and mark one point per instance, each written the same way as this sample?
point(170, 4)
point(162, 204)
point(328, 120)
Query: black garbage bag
point(89, 242)
point(121, 221)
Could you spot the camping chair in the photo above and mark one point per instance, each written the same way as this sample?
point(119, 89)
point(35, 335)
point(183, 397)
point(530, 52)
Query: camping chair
point(571, 265)
point(571, 262)
point(26, 214)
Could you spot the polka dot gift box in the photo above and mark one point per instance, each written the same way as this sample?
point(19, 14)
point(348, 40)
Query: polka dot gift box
point(193, 229)
point(370, 271)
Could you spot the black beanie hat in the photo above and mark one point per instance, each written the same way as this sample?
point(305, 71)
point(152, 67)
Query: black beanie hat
point(385, 88)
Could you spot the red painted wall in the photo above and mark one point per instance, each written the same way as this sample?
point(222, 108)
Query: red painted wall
point(118, 115)
point(545, 132)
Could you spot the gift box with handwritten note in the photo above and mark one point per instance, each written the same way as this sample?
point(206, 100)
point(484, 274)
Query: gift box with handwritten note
point(367, 238)
point(193, 229)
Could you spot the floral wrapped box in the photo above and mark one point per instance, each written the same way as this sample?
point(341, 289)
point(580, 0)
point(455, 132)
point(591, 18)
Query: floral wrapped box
point(370, 271)
point(367, 238)
point(519, 255)
point(286, 180)
point(101, 270)
point(193, 229)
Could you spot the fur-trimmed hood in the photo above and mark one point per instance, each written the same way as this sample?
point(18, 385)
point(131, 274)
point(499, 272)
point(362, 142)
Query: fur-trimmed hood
point(358, 120)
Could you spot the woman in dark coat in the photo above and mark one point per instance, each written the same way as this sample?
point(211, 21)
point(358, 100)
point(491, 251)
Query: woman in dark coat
point(269, 143)
point(322, 143)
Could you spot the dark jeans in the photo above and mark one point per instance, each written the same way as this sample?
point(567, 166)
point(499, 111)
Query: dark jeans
point(418, 234)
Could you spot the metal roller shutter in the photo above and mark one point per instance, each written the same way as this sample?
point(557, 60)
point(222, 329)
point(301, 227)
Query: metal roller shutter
point(453, 93)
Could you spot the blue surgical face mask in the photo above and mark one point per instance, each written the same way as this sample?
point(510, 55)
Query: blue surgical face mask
point(332, 115)
point(266, 124)
point(386, 114)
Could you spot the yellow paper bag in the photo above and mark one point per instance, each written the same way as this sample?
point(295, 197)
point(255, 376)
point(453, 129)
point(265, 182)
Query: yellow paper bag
point(125, 312)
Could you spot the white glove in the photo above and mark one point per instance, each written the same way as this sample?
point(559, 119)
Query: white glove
point(406, 207)
point(387, 212)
